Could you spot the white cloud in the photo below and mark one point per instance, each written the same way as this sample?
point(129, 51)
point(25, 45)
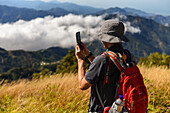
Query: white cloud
point(41, 33)
point(131, 29)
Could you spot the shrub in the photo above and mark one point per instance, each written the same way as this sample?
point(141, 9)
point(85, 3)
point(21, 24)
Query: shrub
point(69, 63)
point(156, 59)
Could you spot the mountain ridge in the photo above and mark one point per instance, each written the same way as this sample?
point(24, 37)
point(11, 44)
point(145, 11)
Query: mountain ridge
point(65, 8)
point(109, 11)
point(40, 5)
point(13, 14)
point(164, 20)
point(153, 37)
point(138, 12)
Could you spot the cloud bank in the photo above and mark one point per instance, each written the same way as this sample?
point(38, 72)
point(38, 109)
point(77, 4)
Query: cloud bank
point(45, 32)
point(131, 29)
point(42, 33)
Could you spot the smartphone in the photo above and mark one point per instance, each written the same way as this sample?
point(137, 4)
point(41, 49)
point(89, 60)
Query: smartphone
point(78, 39)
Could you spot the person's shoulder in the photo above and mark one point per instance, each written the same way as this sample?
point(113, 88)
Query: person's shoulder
point(99, 58)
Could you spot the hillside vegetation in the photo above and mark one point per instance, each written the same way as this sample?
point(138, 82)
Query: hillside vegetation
point(20, 64)
point(156, 59)
point(60, 94)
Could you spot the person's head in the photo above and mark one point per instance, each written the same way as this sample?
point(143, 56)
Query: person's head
point(112, 33)
point(108, 45)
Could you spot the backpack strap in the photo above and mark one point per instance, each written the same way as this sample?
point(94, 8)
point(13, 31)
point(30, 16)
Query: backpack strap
point(131, 61)
point(106, 76)
point(107, 68)
point(122, 61)
point(116, 60)
point(100, 99)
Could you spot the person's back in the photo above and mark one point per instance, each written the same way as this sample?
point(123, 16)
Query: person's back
point(96, 75)
point(112, 36)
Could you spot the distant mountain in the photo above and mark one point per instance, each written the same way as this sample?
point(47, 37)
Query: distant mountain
point(58, 12)
point(40, 5)
point(13, 14)
point(158, 34)
point(164, 20)
point(115, 10)
point(78, 9)
point(136, 12)
point(123, 11)
point(84, 10)
point(154, 37)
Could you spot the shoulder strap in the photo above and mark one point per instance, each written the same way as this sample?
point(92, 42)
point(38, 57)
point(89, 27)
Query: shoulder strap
point(116, 60)
point(107, 68)
point(131, 61)
point(101, 102)
point(106, 76)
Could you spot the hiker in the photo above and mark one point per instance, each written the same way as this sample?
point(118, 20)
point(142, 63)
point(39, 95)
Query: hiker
point(112, 36)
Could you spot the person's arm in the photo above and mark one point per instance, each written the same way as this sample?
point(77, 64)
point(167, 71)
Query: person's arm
point(86, 52)
point(83, 84)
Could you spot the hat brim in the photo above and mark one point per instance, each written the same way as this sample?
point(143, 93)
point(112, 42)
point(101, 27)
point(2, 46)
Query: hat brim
point(112, 39)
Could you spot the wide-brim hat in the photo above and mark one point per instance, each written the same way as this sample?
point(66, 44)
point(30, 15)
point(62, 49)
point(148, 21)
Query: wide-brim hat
point(112, 31)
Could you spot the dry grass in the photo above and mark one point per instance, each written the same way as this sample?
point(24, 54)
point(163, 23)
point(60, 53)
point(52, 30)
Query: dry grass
point(55, 94)
point(60, 94)
point(159, 75)
point(157, 83)
point(65, 83)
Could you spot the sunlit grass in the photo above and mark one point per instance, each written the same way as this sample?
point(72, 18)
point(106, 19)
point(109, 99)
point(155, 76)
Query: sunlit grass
point(157, 83)
point(57, 94)
point(60, 94)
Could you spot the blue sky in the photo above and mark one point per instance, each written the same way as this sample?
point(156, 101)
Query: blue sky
point(150, 6)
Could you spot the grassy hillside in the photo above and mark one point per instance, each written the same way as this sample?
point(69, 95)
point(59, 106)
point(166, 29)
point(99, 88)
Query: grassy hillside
point(156, 81)
point(57, 94)
point(60, 94)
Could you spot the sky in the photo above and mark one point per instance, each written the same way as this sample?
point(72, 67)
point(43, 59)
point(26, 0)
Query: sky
point(149, 6)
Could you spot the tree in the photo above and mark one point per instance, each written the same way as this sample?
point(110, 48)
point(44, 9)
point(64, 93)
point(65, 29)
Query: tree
point(156, 59)
point(69, 63)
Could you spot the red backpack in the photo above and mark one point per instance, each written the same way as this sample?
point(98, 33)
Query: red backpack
point(131, 84)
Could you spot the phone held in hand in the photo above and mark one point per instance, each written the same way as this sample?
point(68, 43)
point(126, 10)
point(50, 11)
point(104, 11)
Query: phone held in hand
point(78, 39)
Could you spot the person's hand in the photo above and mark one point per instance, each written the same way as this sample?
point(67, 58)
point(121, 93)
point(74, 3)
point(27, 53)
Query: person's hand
point(79, 53)
point(86, 52)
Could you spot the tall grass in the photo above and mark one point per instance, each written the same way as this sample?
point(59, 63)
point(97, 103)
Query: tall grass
point(60, 94)
point(157, 83)
point(57, 94)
